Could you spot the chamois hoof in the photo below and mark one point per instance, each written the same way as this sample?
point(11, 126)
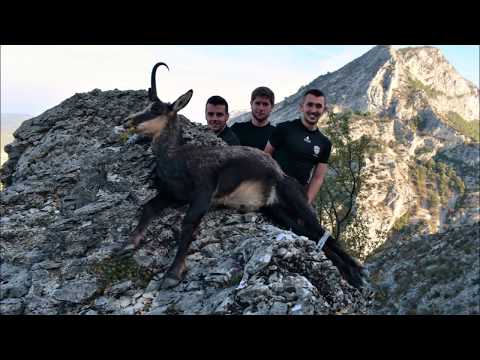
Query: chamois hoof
point(136, 238)
point(357, 278)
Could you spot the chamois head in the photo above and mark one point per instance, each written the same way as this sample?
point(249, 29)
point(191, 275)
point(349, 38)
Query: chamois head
point(152, 120)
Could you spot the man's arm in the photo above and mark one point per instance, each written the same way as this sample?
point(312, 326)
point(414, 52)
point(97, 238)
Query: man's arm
point(269, 149)
point(316, 181)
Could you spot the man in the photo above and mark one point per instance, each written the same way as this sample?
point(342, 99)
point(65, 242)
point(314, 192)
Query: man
point(255, 133)
point(216, 113)
point(299, 147)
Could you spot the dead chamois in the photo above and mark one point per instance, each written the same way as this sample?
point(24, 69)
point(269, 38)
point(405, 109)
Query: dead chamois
point(236, 176)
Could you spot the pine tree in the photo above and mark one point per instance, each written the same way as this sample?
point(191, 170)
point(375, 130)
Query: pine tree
point(344, 184)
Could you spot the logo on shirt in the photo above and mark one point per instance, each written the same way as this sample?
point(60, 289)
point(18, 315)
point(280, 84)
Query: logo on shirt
point(316, 150)
point(307, 139)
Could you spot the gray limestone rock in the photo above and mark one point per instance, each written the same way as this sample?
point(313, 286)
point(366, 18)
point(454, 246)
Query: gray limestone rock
point(15, 281)
point(77, 291)
point(439, 274)
point(12, 307)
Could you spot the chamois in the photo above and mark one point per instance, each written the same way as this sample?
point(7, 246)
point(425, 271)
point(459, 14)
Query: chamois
point(240, 177)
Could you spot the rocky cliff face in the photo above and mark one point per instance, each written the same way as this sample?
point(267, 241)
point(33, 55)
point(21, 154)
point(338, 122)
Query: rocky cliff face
point(397, 197)
point(432, 274)
point(74, 189)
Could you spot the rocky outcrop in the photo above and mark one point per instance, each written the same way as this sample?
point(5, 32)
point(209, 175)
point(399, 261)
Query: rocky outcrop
point(74, 189)
point(432, 274)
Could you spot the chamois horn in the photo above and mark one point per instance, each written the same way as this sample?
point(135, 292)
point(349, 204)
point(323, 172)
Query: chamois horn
point(152, 92)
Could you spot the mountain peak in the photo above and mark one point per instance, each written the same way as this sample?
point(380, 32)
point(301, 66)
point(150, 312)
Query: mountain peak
point(428, 54)
point(382, 48)
point(399, 82)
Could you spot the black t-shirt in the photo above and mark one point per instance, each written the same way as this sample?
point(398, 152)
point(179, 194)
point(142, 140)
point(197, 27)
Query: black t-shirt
point(298, 150)
point(229, 136)
point(251, 135)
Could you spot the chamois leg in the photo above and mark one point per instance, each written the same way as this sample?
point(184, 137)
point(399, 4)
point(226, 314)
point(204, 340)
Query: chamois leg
point(348, 266)
point(355, 272)
point(281, 216)
point(150, 210)
point(291, 193)
point(196, 211)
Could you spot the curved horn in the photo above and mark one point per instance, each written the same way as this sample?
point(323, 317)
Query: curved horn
point(152, 92)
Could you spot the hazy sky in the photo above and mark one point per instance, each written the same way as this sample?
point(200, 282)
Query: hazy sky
point(36, 78)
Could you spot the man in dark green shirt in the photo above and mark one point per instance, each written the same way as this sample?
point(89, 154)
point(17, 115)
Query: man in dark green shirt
point(255, 133)
point(299, 147)
point(216, 113)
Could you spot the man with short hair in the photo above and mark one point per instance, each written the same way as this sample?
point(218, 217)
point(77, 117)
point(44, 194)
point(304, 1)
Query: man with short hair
point(300, 148)
point(216, 113)
point(255, 133)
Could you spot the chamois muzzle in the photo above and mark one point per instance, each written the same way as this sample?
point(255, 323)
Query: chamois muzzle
point(137, 118)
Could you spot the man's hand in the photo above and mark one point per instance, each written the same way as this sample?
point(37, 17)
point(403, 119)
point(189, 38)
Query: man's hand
point(269, 149)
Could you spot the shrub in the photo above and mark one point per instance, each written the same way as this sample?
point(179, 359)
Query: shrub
point(470, 129)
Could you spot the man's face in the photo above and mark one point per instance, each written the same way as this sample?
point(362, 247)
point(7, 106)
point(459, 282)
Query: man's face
point(216, 116)
point(312, 108)
point(261, 108)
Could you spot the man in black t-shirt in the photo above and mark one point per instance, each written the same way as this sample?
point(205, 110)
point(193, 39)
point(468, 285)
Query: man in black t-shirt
point(299, 147)
point(255, 133)
point(216, 113)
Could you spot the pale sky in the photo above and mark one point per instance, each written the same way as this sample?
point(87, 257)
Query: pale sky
point(38, 77)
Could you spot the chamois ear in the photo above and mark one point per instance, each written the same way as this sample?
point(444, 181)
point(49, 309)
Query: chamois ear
point(182, 101)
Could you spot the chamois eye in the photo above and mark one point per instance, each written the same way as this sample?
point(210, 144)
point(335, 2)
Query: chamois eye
point(156, 107)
